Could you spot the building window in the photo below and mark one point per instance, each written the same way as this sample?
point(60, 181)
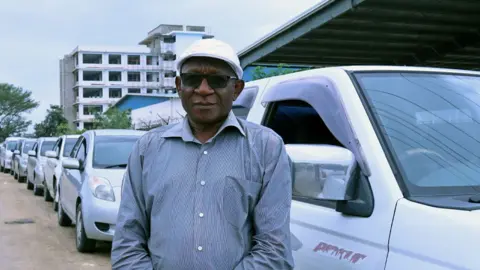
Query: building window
point(153, 76)
point(88, 125)
point(92, 109)
point(114, 59)
point(92, 58)
point(134, 59)
point(170, 39)
point(115, 92)
point(152, 91)
point(133, 76)
point(134, 90)
point(92, 92)
point(169, 57)
point(170, 74)
point(152, 60)
point(92, 76)
point(115, 76)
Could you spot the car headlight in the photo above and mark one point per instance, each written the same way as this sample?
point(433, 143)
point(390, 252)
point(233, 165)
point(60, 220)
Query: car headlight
point(101, 188)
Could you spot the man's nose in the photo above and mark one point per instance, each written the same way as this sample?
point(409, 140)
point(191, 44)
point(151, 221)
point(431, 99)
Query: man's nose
point(204, 88)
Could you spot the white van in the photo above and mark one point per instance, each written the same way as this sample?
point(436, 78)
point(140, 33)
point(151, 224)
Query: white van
point(386, 164)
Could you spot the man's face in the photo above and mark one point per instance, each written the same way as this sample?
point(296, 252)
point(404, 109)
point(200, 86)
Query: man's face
point(207, 88)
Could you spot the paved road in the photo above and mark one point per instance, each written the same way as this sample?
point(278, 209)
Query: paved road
point(42, 244)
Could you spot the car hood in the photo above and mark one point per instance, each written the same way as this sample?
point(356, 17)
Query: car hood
point(114, 176)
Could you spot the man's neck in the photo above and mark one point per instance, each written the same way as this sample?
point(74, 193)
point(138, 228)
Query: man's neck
point(203, 133)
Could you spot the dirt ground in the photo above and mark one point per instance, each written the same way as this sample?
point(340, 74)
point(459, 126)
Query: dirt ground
point(41, 244)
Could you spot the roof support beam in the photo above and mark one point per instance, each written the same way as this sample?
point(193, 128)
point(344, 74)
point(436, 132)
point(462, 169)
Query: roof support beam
point(298, 29)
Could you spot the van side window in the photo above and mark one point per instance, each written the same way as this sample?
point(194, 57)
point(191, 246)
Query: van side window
point(298, 123)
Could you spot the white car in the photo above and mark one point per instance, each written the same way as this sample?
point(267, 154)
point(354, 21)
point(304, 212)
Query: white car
point(53, 168)
point(89, 191)
point(386, 165)
point(36, 161)
point(6, 153)
point(20, 161)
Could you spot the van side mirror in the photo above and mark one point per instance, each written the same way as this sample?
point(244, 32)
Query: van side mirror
point(32, 153)
point(71, 163)
point(322, 172)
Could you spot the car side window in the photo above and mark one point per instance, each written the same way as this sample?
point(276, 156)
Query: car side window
point(56, 147)
point(82, 153)
point(35, 147)
point(73, 153)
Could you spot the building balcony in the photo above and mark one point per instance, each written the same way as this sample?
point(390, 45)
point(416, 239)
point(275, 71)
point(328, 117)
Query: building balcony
point(99, 100)
point(84, 118)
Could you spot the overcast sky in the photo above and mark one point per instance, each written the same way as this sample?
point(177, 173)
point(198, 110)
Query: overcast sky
point(35, 34)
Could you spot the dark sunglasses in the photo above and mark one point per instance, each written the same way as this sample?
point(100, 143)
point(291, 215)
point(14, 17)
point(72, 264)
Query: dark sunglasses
point(194, 80)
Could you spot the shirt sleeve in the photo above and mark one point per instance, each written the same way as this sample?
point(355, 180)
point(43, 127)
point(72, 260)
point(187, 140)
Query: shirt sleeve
point(271, 241)
point(129, 247)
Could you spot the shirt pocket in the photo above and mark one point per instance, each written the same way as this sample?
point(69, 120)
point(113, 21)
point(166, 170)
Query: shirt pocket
point(239, 199)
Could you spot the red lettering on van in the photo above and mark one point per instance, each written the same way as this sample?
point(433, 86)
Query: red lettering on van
point(341, 253)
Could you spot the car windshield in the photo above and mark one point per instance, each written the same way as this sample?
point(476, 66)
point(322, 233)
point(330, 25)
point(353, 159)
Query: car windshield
point(46, 146)
point(112, 151)
point(430, 123)
point(69, 143)
point(27, 146)
point(11, 145)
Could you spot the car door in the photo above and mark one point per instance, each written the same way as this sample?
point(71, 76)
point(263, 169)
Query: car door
point(71, 187)
point(32, 162)
point(334, 234)
point(52, 163)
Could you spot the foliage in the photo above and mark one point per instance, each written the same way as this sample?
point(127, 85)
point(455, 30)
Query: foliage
point(260, 73)
point(14, 101)
point(113, 119)
point(64, 129)
point(54, 124)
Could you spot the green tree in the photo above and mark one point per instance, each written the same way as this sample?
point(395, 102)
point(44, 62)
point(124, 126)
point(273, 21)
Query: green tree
point(14, 102)
point(54, 124)
point(260, 73)
point(113, 119)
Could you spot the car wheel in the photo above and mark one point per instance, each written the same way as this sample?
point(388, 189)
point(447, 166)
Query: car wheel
point(46, 193)
point(11, 172)
point(55, 198)
point(29, 184)
point(6, 171)
point(62, 218)
point(15, 176)
point(2, 168)
point(37, 190)
point(84, 244)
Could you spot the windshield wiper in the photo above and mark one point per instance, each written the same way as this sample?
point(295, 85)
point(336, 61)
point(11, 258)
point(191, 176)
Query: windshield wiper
point(116, 166)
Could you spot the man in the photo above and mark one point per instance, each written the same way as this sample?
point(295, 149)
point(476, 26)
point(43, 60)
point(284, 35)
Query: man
point(211, 192)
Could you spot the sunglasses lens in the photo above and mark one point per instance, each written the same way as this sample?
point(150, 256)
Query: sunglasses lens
point(217, 81)
point(191, 80)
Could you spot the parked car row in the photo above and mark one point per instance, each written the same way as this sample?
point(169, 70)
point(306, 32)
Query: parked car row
point(80, 174)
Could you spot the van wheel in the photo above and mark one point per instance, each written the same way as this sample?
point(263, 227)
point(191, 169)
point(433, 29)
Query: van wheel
point(46, 193)
point(84, 244)
point(62, 218)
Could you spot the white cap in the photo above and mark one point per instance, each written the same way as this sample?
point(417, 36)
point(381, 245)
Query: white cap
point(212, 48)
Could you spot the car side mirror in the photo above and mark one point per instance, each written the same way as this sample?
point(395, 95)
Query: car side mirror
point(32, 153)
point(71, 163)
point(11, 150)
point(51, 154)
point(16, 152)
point(322, 172)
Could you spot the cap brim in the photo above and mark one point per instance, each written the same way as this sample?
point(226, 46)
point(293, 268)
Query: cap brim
point(237, 69)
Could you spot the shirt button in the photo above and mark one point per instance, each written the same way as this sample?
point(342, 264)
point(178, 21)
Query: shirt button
point(200, 215)
point(205, 152)
point(200, 248)
point(202, 183)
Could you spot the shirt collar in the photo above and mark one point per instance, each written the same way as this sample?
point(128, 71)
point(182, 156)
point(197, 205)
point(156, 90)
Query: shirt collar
point(184, 131)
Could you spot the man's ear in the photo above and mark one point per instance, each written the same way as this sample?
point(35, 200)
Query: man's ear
point(239, 85)
point(178, 83)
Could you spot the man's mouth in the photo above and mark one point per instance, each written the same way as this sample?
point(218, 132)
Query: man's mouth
point(203, 105)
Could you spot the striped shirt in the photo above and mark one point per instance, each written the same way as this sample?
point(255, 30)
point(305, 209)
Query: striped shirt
point(224, 204)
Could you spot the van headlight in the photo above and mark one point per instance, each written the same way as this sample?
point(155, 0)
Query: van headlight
point(101, 188)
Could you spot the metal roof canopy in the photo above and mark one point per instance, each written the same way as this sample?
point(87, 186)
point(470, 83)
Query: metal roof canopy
point(436, 33)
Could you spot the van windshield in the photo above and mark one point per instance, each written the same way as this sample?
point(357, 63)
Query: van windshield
point(11, 145)
point(430, 124)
